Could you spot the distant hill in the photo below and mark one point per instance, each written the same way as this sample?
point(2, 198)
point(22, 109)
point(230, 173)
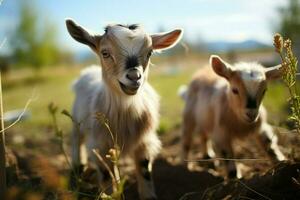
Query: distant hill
point(218, 46)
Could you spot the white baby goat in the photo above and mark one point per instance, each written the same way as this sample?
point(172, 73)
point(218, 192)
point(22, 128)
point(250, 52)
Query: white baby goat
point(224, 104)
point(120, 92)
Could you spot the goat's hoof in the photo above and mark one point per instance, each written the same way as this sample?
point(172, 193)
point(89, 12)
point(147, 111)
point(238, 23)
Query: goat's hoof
point(232, 174)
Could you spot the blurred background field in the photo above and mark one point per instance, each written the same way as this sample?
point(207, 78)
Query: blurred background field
point(54, 84)
point(39, 60)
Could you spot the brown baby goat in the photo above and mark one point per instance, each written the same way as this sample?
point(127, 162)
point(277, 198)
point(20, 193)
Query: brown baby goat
point(223, 102)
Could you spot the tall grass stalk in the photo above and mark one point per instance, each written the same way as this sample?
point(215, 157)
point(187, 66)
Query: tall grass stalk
point(113, 156)
point(2, 142)
point(58, 132)
point(2, 149)
point(290, 66)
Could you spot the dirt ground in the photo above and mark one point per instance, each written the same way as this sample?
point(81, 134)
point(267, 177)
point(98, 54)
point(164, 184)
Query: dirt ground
point(38, 170)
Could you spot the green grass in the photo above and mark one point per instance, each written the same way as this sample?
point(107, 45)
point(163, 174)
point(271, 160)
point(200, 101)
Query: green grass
point(171, 104)
point(276, 103)
point(54, 85)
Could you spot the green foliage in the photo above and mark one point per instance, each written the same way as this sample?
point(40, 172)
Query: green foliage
point(289, 75)
point(34, 41)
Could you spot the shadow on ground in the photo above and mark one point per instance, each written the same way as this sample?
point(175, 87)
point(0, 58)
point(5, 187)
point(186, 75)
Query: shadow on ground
point(176, 181)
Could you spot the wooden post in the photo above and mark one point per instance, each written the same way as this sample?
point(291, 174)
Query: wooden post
point(2, 149)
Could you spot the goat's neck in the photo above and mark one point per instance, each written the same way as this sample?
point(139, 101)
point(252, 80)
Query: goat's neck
point(118, 100)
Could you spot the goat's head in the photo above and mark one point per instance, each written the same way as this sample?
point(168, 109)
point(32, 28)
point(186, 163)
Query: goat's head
point(247, 84)
point(124, 52)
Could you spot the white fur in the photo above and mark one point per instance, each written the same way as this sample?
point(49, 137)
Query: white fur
point(94, 96)
point(129, 107)
point(252, 74)
point(131, 40)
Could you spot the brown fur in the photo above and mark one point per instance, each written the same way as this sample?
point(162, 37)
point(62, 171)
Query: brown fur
point(217, 107)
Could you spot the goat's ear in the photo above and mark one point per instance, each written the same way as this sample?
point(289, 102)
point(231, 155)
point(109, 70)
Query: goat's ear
point(220, 67)
point(167, 40)
point(82, 35)
point(273, 72)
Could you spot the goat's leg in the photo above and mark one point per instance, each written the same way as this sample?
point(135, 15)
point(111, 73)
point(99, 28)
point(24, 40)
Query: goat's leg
point(203, 145)
point(222, 144)
point(267, 139)
point(144, 155)
point(101, 164)
point(188, 128)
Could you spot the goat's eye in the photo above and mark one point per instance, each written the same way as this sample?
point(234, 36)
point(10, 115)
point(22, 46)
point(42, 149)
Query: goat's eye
point(235, 91)
point(149, 54)
point(105, 54)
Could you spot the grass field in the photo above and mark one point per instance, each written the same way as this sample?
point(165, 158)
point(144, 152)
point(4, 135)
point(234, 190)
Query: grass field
point(54, 85)
point(40, 147)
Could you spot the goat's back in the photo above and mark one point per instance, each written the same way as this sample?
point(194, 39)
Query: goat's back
point(84, 87)
point(203, 96)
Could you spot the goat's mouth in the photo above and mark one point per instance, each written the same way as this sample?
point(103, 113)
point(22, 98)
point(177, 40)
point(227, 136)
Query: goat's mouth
point(129, 89)
point(251, 120)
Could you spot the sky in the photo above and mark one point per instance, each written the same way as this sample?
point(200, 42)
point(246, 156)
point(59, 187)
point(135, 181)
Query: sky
point(208, 20)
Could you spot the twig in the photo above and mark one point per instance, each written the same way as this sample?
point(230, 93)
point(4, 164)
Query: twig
point(243, 197)
point(249, 188)
point(228, 159)
point(188, 194)
point(21, 115)
point(2, 149)
point(100, 158)
point(210, 188)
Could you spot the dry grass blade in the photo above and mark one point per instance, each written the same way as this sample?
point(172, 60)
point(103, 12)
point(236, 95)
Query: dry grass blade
point(211, 188)
point(32, 98)
point(185, 196)
point(246, 186)
point(228, 159)
point(100, 158)
point(2, 150)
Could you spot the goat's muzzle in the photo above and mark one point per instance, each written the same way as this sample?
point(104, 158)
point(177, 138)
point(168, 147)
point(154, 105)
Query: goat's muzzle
point(251, 115)
point(134, 77)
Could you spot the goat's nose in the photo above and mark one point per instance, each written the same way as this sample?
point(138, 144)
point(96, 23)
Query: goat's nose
point(251, 103)
point(134, 75)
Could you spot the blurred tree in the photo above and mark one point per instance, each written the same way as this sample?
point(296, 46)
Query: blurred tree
point(34, 42)
point(289, 24)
